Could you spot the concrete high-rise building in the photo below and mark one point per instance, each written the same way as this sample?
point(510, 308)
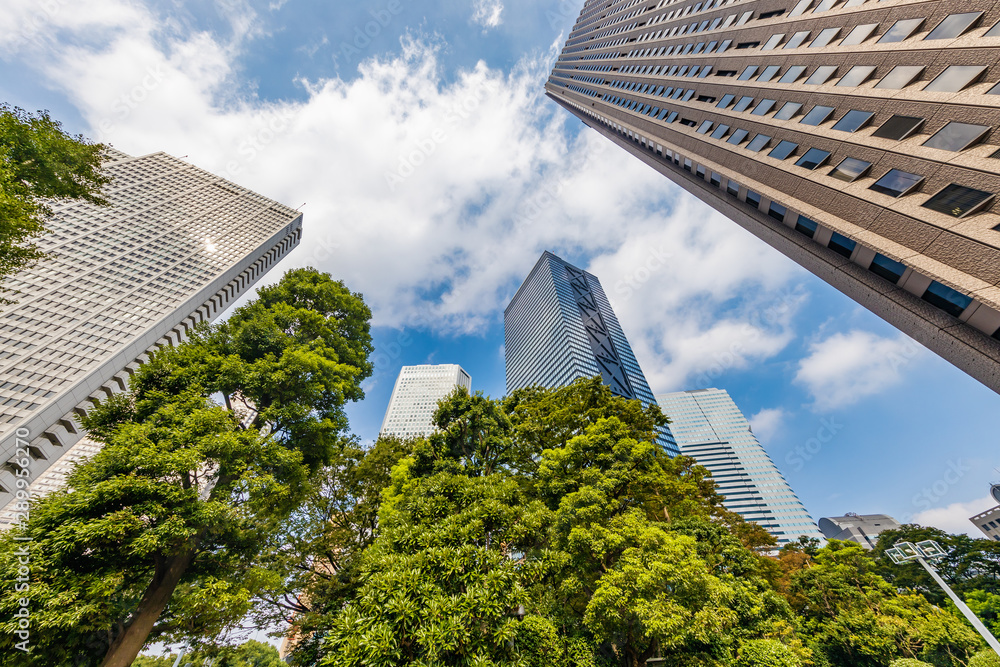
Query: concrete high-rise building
point(560, 327)
point(415, 398)
point(176, 246)
point(710, 428)
point(989, 521)
point(855, 136)
point(861, 528)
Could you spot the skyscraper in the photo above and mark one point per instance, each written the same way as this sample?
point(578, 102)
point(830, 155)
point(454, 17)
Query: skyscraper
point(711, 429)
point(415, 397)
point(560, 327)
point(989, 521)
point(863, 529)
point(176, 246)
point(855, 136)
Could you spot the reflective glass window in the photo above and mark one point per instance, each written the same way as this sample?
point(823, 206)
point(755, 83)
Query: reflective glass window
point(753, 198)
point(853, 120)
point(793, 74)
point(825, 6)
point(772, 42)
point(859, 34)
point(777, 211)
point(955, 78)
point(898, 127)
point(737, 137)
point(900, 77)
point(887, 268)
point(993, 32)
point(801, 7)
point(769, 73)
point(762, 107)
point(748, 73)
point(842, 245)
point(824, 37)
point(743, 104)
point(896, 183)
point(957, 136)
point(900, 30)
point(816, 115)
point(954, 25)
point(758, 143)
point(856, 76)
point(733, 188)
point(796, 40)
point(957, 200)
point(813, 158)
point(821, 75)
point(806, 226)
point(783, 150)
point(951, 301)
point(787, 111)
point(725, 101)
point(705, 126)
point(850, 169)
point(720, 131)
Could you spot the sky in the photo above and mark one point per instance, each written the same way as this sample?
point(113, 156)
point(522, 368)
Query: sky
point(432, 172)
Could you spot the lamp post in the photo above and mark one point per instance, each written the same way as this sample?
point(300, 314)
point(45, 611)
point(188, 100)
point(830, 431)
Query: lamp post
point(929, 550)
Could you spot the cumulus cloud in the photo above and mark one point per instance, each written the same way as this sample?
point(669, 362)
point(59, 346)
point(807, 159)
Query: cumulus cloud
point(432, 193)
point(767, 423)
point(955, 517)
point(847, 367)
point(488, 13)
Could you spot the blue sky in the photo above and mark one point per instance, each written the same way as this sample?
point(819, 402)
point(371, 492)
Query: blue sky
point(434, 172)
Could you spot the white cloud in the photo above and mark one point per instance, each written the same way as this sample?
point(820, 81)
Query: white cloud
point(488, 13)
point(431, 194)
point(767, 423)
point(955, 517)
point(845, 368)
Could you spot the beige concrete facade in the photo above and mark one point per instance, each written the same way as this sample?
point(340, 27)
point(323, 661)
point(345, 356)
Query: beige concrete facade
point(722, 97)
point(175, 248)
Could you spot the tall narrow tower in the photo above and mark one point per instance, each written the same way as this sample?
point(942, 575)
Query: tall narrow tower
point(175, 248)
point(858, 137)
point(415, 397)
point(560, 327)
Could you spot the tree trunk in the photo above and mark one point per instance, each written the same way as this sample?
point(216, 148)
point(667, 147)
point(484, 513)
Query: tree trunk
point(126, 646)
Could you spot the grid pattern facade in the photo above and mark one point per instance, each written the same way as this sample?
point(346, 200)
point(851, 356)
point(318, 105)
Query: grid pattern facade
point(711, 429)
point(415, 398)
point(856, 136)
point(174, 248)
point(546, 341)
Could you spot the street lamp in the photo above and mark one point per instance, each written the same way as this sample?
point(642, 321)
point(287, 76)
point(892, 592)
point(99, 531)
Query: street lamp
point(929, 550)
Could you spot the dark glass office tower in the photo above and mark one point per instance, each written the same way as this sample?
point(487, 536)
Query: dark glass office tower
point(560, 327)
point(858, 137)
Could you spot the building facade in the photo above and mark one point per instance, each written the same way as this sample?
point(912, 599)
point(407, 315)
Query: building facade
point(858, 137)
point(176, 246)
point(415, 398)
point(989, 521)
point(560, 327)
point(711, 429)
point(861, 528)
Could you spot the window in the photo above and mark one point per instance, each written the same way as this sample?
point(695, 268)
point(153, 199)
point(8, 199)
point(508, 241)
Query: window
point(747, 45)
point(817, 115)
point(748, 73)
point(700, 171)
point(954, 26)
point(806, 226)
point(842, 245)
point(707, 99)
point(850, 169)
point(797, 39)
point(715, 179)
point(788, 111)
point(705, 126)
point(896, 183)
point(753, 199)
point(824, 37)
point(762, 108)
point(821, 75)
point(801, 8)
point(720, 131)
point(733, 188)
point(859, 34)
point(770, 15)
point(825, 6)
point(955, 78)
point(689, 122)
point(887, 268)
point(898, 127)
point(772, 42)
point(758, 143)
point(705, 71)
point(900, 30)
point(769, 73)
point(793, 74)
point(993, 32)
point(856, 76)
point(783, 150)
point(777, 211)
point(743, 104)
point(958, 201)
point(950, 301)
point(853, 120)
point(813, 158)
point(737, 137)
point(957, 136)
point(900, 77)
point(725, 101)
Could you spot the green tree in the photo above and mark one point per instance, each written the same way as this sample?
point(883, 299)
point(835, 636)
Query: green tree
point(986, 606)
point(39, 163)
point(158, 536)
point(987, 658)
point(766, 653)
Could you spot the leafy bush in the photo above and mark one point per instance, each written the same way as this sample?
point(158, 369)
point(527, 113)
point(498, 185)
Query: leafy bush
point(766, 653)
point(910, 662)
point(987, 658)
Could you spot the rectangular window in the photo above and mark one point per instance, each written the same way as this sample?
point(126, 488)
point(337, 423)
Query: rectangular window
point(957, 136)
point(853, 121)
point(705, 126)
point(783, 150)
point(900, 77)
point(688, 122)
point(753, 199)
point(687, 164)
point(825, 6)
point(859, 34)
point(743, 104)
point(788, 111)
point(950, 301)
point(813, 158)
point(955, 78)
point(758, 143)
point(896, 183)
point(769, 73)
point(777, 211)
point(700, 170)
point(797, 39)
point(806, 226)
point(898, 127)
point(715, 179)
point(725, 101)
point(851, 169)
point(720, 132)
point(856, 76)
point(821, 75)
point(737, 137)
point(958, 201)
point(800, 8)
point(824, 37)
point(747, 45)
point(762, 108)
point(954, 25)
point(887, 268)
point(793, 74)
point(993, 32)
point(772, 42)
point(842, 245)
point(748, 73)
point(818, 114)
point(900, 30)
point(733, 188)
point(770, 15)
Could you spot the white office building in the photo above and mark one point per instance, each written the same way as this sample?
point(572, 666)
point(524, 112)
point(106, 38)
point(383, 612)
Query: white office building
point(415, 398)
point(176, 246)
point(711, 429)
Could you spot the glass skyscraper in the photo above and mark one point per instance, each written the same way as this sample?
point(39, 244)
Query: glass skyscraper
point(560, 327)
point(711, 429)
point(415, 398)
point(176, 246)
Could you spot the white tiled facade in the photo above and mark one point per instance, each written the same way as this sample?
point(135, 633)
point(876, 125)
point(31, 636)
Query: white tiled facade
point(176, 246)
point(415, 398)
point(710, 428)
